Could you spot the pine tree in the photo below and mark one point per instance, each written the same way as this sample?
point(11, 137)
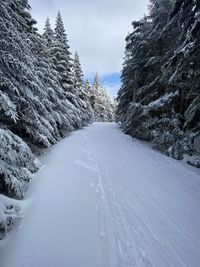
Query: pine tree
point(97, 83)
point(77, 71)
point(159, 11)
point(101, 102)
point(87, 85)
point(62, 55)
point(63, 62)
point(48, 33)
point(160, 77)
point(15, 166)
point(39, 103)
point(16, 159)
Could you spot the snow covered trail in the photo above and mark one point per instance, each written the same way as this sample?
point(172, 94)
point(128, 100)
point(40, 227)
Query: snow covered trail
point(104, 199)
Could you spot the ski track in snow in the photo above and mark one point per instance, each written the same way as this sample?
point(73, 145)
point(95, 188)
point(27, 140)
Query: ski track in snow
point(134, 207)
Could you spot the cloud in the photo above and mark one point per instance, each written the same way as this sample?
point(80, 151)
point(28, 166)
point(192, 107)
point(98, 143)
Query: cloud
point(95, 28)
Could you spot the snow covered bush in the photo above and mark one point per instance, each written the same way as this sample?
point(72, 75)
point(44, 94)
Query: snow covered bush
point(194, 162)
point(135, 124)
point(168, 137)
point(17, 163)
point(10, 216)
point(165, 132)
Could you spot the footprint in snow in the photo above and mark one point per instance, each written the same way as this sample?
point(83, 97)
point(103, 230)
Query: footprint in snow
point(84, 165)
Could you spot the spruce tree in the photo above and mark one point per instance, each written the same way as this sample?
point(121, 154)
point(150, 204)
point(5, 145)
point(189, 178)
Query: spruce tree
point(35, 112)
point(160, 78)
point(101, 102)
point(48, 33)
point(62, 55)
point(77, 72)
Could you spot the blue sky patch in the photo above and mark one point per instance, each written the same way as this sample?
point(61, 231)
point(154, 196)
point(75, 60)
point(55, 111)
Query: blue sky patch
point(110, 81)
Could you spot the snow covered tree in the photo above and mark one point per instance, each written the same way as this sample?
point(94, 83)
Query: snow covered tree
point(10, 215)
point(133, 68)
point(62, 56)
point(160, 77)
point(159, 11)
point(39, 102)
point(64, 63)
point(81, 90)
point(20, 79)
point(16, 164)
point(97, 83)
point(62, 110)
point(100, 101)
point(48, 33)
point(77, 71)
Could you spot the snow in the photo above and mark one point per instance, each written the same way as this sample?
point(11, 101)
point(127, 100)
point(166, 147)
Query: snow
point(197, 142)
point(105, 199)
point(163, 100)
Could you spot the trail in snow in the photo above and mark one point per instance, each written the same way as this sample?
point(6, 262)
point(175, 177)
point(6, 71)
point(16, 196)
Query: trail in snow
point(104, 199)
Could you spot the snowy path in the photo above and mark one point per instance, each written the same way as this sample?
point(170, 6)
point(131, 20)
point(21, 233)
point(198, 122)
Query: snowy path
point(104, 199)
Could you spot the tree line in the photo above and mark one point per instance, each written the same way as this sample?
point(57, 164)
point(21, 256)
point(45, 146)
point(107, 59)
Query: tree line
point(159, 100)
point(43, 97)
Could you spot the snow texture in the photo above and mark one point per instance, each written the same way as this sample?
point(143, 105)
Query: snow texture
point(10, 215)
point(106, 199)
point(163, 100)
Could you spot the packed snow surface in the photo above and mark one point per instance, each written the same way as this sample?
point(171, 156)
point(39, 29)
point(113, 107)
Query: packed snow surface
point(105, 199)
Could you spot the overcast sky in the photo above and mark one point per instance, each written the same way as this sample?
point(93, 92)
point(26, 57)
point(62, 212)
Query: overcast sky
point(95, 28)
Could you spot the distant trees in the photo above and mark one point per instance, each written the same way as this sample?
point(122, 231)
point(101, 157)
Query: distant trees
point(102, 104)
point(159, 98)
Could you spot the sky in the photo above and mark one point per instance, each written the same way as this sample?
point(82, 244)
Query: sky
point(96, 29)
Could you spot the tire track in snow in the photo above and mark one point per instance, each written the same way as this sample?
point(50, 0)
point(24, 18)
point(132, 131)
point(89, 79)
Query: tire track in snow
point(138, 231)
point(126, 240)
point(126, 236)
point(117, 248)
point(131, 254)
point(98, 187)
